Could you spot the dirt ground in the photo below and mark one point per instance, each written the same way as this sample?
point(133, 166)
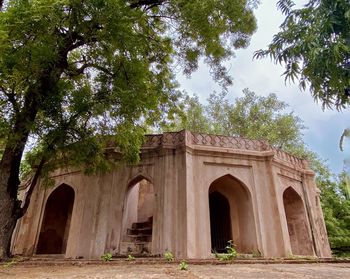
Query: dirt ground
point(138, 271)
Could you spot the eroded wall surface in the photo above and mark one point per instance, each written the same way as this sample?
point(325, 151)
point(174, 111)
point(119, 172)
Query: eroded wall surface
point(183, 169)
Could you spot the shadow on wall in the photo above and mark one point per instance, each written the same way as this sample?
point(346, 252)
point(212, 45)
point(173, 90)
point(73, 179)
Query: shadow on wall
point(298, 228)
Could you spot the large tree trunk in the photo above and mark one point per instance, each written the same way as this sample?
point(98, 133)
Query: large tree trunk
point(9, 205)
point(9, 175)
point(8, 219)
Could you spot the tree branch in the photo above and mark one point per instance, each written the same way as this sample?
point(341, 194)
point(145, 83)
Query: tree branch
point(11, 97)
point(78, 71)
point(50, 147)
point(150, 3)
point(32, 184)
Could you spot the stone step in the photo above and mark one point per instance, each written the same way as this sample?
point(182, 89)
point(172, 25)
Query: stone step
point(47, 256)
point(135, 248)
point(143, 231)
point(137, 238)
point(142, 225)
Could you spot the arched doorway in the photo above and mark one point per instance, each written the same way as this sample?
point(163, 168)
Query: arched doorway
point(56, 222)
point(137, 227)
point(231, 215)
point(298, 229)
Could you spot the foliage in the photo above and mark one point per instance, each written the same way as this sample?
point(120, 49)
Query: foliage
point(183, 265)
point(347, 185)
point(192, 116)
point(108, 64)
point(336, 210)
point(131, 258)
point(257, 117)
point(169, 256)
point(230, 248)
point(230, 254)
point(106, 257)
point(77, 76)
point(250, 116)
point(10, 263)
point(314, 45)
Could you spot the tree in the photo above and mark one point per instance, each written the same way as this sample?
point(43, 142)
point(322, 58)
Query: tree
point(191, 116)
point(336, 210)
point(250, 116)
point(314, 46)
point(74, 73)
point(257, 117)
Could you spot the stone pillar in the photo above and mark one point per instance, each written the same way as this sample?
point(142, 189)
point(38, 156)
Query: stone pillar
point(269, 210)
point(172, 206)
point(318, 227)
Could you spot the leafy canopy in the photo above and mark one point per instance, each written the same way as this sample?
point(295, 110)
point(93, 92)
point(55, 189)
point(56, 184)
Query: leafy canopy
point(336, 209)
point(314, 46)
point(77, 75)
point(250, 116)
point(72, 72)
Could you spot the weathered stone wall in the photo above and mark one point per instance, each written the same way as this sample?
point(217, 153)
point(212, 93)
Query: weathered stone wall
point(183, 168)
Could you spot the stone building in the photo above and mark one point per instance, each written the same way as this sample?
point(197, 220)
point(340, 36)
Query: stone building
point(189, 194)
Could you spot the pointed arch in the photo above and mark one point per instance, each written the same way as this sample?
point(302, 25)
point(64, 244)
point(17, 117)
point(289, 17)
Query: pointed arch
point(231, 215)
point(138, 212)
point(55, 226)
point(133, 181)
point(298, 229)
point(234, 181)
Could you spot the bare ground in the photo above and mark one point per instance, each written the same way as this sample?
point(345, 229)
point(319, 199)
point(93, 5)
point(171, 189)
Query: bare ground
point(157, 270)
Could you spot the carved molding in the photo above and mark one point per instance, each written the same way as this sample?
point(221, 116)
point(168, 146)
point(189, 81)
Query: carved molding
point(187, 138)
point(285, 157)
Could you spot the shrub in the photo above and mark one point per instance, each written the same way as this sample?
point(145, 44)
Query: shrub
point(183, 265)
point(169, 256)
point(131, 258)
point(230, 254)
point(106, 257)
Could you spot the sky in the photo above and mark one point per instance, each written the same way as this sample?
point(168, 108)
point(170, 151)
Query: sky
point(324, 128)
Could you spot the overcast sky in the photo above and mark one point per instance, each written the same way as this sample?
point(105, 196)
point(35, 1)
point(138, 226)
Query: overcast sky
point(264, 77)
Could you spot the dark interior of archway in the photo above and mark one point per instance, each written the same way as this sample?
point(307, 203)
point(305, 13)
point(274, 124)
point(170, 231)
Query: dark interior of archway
point(220, 222)
point(55, 227)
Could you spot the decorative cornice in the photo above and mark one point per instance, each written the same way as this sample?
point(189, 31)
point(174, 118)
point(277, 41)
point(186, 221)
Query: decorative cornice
point(290, 159)
point(188, 138)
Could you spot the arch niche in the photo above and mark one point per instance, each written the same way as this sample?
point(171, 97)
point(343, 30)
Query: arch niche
point(56, 222)
point(298, 229)
point(138, 212)
point(231, 215)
